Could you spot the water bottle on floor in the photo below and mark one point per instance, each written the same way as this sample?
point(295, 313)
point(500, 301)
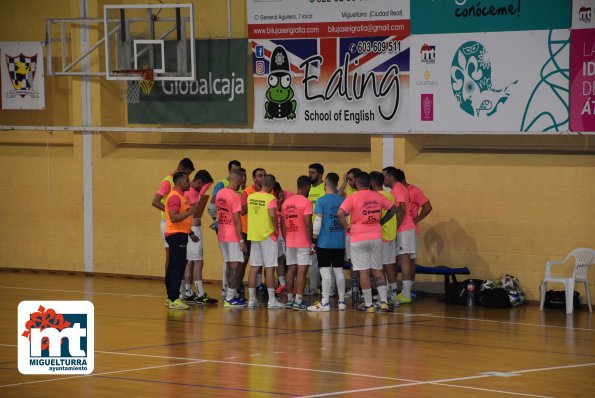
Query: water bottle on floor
point(470, 294)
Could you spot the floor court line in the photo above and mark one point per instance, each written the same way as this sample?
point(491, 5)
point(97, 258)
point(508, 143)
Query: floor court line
point(492, 390)
point(444, 381)
point(395, 313)
point(102, 373)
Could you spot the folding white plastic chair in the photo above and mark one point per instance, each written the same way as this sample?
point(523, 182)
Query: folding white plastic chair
point(583, 258)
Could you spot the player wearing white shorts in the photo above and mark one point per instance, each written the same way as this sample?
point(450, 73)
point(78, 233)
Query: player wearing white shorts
point(364, 208)
point(405, 230)
point(389, 234)
point(194, 251)
point(262, 225)
point(229, 235)
point(296, 216)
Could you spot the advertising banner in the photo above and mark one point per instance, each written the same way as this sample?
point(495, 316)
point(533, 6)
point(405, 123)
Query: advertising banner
point(21, 75)
point(323, 66)
point(216, 97)
point(582, 67)
point(511, 79)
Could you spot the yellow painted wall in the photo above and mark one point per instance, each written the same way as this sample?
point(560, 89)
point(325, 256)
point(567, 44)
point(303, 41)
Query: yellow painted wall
point(499, 205)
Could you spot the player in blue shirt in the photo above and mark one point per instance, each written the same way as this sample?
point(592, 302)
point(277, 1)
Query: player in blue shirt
point(330, 243)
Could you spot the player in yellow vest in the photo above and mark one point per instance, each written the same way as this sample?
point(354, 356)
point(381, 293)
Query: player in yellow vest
point(167, 184)
point(389, 234)
point(316, 173)
point(178, 226)
point(262, 227)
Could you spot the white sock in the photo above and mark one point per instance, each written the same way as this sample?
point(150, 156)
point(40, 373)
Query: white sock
point(406, 292)
point(298, 298)
point(325, 273)
point(251, 294)
point(289, 296)
point(392, 290)
point(382, 294)
point(367, 293)
point(271, 295)
point(182, 287)
point(314, 277)
point(340, 279)
point(282, 280)
point(188, 289)
point(230, 293)
point(199, 288)
point(258, 279)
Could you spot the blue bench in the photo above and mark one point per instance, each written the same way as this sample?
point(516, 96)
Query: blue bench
point(448, 272)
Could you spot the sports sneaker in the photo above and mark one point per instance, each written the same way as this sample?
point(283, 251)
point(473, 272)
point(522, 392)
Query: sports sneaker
point(384, 307)
point(348, 293)
point(280, 289)
point(289, 305)
point(178, 304)
point(190, 299)
point(300, 307)
point(342, 306)
point(224, 292)
point(235, 302)
point(363, 307)
point(251, 303)
point(275, 305)
point(167, 302)
point(402, 299)
point(208, 300)
point(318, 307)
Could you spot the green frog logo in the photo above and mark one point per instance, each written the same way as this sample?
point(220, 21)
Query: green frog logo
point(471, 80)
point(280, 103)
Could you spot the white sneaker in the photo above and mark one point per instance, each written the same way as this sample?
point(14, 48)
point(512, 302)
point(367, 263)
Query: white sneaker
point(342, 306)
point(318, 307)
point(275, 305)
point(348, 293)
point(251, 303)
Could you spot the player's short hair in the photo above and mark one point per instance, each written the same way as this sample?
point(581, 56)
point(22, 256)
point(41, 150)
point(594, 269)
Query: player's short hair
point(318, 167)
point(303, 181)
point(233, 163)
point(400, 176)
point(377, 178)
point(354, 171)
point(390, 171)
point(186, 164)
point(332, 180)
point(363, 178)
point(178, 176)
point(269, 181)
point(257, 170)
point(204, 176)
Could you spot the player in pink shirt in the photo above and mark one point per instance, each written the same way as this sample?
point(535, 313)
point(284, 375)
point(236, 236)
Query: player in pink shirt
point(364, 208)
point(167, 184)
point(229, 235)
point(393, 178)
point(297, 233)
point(201, 182)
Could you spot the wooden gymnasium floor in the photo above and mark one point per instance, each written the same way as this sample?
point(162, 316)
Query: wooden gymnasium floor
point(427, 349)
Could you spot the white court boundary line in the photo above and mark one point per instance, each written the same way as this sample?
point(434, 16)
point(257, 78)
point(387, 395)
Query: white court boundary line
point(102, 373)
point(428, 315)
point(410, 383)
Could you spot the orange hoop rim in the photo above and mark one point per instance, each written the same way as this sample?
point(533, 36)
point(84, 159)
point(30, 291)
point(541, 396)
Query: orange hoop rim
point(145, 74)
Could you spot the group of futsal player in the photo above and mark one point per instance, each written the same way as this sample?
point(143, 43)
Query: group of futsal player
point(322, 228)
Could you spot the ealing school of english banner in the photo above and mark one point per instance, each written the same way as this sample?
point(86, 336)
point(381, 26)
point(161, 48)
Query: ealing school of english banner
point(21, 75)
point(322, 66)
point(490, 65)
point(216, 97)
point(582, 67)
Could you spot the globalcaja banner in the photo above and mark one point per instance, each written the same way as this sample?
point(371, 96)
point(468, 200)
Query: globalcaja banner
point(21, 75)
point(322, 66)
point(512, 79)
point(582, 67)
point(216, 97)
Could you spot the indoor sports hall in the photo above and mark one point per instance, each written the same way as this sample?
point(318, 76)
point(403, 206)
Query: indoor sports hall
point(221, 155)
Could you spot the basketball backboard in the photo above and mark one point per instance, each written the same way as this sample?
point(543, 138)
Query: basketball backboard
point(159, 37)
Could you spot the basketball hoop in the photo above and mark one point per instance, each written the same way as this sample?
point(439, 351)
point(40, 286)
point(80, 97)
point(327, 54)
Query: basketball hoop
point(132, 88)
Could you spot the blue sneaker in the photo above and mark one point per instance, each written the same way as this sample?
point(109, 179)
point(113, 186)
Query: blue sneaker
point(289, 305)
point(235, 302)
point(300, 307)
